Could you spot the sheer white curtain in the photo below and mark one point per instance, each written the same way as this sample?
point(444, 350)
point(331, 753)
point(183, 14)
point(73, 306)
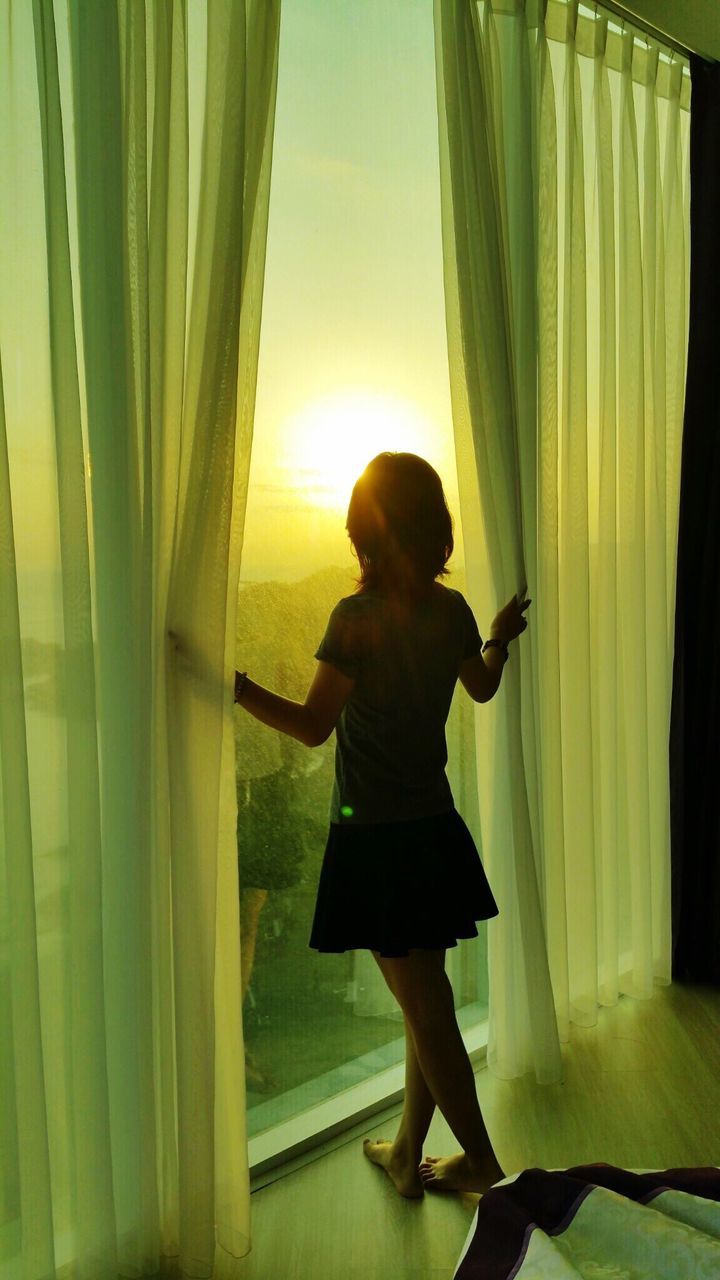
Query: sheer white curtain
point(136, 141)
point(564, 163)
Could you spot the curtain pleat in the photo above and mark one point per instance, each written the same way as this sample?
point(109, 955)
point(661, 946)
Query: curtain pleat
point(485, 413)
point(604, 650)
point(24, 1125)
point(136, 200)
point(567, 434)
point(577, 841)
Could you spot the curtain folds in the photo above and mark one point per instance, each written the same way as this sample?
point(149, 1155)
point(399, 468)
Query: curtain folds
point(138, 138)
point(563, 157)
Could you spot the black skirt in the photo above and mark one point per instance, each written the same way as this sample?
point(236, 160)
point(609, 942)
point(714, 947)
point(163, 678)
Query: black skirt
point(391, 886)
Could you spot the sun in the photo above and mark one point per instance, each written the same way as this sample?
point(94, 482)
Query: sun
point(332, 439)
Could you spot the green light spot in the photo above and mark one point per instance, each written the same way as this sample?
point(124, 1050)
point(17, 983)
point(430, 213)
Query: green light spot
point(346, 811)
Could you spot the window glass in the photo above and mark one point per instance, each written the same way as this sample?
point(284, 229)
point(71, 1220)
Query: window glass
point(353, 360)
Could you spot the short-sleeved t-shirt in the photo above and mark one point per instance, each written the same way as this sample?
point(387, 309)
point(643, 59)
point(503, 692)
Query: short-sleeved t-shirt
point(391, 751)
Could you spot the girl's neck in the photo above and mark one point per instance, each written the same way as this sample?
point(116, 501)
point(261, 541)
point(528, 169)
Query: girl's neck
point(405, 590)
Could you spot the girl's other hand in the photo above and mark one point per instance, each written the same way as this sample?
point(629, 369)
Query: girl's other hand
point(509, 622)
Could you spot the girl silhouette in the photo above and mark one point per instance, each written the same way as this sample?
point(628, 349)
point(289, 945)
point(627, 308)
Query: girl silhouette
point(401, 875)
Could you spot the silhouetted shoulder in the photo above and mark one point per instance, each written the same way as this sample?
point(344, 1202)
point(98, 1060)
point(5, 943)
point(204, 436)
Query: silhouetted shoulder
point(345, 641)
point(452, 598)
point(356, 604)
point(451, 594)
point(472, 640)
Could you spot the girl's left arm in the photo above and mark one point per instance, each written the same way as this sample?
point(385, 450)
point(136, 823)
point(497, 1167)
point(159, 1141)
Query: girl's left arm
point(311, 721)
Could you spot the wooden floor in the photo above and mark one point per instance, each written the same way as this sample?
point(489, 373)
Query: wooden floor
point(641, 1090)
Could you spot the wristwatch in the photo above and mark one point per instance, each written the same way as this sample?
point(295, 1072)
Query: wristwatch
point(499, 644)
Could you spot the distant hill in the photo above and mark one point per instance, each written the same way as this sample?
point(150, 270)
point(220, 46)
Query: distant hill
point(281, 624)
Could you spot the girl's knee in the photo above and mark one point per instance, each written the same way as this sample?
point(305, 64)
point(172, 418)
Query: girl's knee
point(419, 983)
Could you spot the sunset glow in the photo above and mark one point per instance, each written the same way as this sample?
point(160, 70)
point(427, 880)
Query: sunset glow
point(330, 441)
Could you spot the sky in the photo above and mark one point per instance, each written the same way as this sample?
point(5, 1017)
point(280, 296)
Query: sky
point(353, 354)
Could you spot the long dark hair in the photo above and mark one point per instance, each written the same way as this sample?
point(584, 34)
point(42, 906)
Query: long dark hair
point(399, 524)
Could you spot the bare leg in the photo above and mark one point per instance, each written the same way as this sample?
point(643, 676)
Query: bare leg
point(401, 1158)
point(447, 1067)
point(418, 1105)
point(425, 995)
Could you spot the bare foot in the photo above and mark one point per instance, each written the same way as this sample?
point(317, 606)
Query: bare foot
point(459, 1173)
point(404, 1175)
